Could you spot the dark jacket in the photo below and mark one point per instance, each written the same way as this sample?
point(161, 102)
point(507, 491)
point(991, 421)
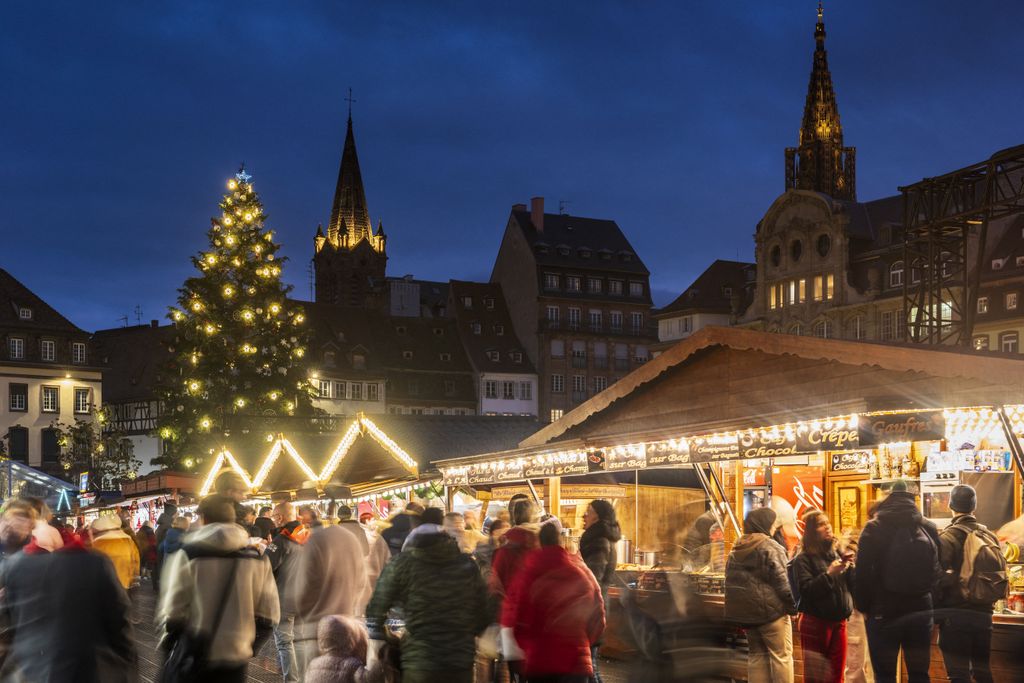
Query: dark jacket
point(871, 597)
point(283, 553)
point(756, 582)
point(172, 541)
point(556, 612)
point(443, 600)
point(597, 547)
point(164, 524)
point(395, 534)
point(69, 617)
point(951, 557)
point(822, 596)
point(264, 528)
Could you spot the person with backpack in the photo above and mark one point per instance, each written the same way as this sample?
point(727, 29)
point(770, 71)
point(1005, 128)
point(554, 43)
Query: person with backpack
point(974, 578)
point(821, 581)
point(897, 570)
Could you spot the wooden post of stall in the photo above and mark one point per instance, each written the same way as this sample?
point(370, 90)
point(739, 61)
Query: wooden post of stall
point(449, 498)
point(554, 497)
point(737, 492)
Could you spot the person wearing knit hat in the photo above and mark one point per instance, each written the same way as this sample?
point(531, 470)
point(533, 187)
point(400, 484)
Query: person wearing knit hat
point(109, 539)
point(966, 627)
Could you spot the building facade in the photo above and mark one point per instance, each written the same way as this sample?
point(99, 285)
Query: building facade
point(47, 376)
point(579, 298)
point(718, 297)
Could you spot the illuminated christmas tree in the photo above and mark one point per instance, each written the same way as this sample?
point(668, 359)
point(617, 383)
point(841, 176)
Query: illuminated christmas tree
point(238, 355)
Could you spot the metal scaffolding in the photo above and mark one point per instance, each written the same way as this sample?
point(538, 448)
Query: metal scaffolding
point(946, 223)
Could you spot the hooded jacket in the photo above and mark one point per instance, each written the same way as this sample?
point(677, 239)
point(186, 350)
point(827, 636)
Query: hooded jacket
point(757, 588)
point(509, 558)
point(68, 619)
point(172, 542)
point(122, 551)
point(597, 547)
point(283, 553)
point(555, 609)
point(195, 581)
point(443, 600)
point(896, 511)
point(951, 557)
point(330, 577)
point(343, 648)
point(822, 596)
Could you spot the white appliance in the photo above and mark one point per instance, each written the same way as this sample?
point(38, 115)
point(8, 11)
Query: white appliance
point(935, 490)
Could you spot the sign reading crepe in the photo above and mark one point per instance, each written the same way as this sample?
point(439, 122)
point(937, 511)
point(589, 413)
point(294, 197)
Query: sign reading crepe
point(828, 438)
point(925, 426)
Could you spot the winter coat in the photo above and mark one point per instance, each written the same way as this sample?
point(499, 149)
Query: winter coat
point(951, 557)
point(283, 553)
point(509, 558)
point(443, 600)
point(122, 551)
point(146, 540)
point(756, 582)
point(69, 619)
point(164, 523)
point(172, 542)
point(330, 577)
point(870, 595)
point(597, 548)
point(822, 596)
point(555, 609)
point(394, 535)
point(264, 527)
point(194, 585)
point(343, 647)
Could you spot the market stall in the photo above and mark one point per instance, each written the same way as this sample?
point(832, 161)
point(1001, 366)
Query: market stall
point(794, 422)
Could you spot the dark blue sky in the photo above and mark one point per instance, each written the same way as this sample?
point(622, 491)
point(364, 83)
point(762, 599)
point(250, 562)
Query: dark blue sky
point(122, 120)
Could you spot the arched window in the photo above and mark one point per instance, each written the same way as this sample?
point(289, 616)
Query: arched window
point(855, 328)
point(896, 274)
point(822, 329)
point(795, 329)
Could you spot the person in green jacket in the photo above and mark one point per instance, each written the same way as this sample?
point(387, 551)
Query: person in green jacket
point(443, 600)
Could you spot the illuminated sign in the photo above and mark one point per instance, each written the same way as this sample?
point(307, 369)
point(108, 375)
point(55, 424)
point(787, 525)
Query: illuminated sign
point(925, 426)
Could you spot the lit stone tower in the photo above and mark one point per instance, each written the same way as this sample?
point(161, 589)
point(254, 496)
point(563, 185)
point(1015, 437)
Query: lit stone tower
point(821, 163)
point(350, 259)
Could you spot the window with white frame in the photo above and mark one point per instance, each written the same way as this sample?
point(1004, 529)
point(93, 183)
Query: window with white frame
point(489, 303)
point(558, 384)
point(615, 287)
point(636, 320)
point(490, 388)
point(467, 302)
point(887, 326)
point(325, 388)
point(982, 304)
point(552, 316)
point(48, 350)
point(81, 400)
point(615, 318)
point(1011, 301)
point(24, 313)
point(896, 274)
point(78, 353)
point(508, 391)
point(856, 327)
point(579, 383)
point(372, 391)
point(573, 283)
point(499, 330)
point(339, 390)
point(556, 414)
point(636, 289)
point(357, 390)
point(1009, 342)
point(600, 384)
point(822, 329)
point(516, 356)
point(16, 348)
point(574, 318)
point(551, 281)
point(18, 397)
point(594, 285)
point(525, 391)
point(493, 355)
point(50, 402)
point(596, 320)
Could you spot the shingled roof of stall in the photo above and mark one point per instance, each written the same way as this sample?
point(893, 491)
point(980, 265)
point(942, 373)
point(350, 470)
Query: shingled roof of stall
point(426, 438)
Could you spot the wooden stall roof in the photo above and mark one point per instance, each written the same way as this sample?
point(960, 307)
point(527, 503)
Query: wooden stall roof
point(846, 376)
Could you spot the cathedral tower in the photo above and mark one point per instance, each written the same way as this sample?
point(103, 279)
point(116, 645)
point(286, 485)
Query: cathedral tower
point(350, 259)
point(821, 163)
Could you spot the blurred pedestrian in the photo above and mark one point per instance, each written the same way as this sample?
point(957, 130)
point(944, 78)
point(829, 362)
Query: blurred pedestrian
point(17, 520)
point(509, 560)
point(758, 597)
point(455, 524)
point(219, 592)
point(264, 524)
point(67, 618)
point(597, 548)
point(343, 647)
point(444, 606)
point(146, 541)
point(283, 553)
point(401, 524)
point(47, 537)
point(472, 523)
point(230, 484)
point(556, 611)
point(163, 525)
point(330, 579)
point(110, 539)
point(822, 581)
point(175, 538)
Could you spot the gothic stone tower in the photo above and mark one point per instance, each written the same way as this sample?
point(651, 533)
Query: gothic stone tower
point(350, 259)
point(821, 163)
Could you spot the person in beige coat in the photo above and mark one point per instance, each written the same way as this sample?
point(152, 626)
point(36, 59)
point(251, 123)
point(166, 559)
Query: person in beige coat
point(109, 539)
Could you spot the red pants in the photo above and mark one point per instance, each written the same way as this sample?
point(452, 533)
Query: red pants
point(824, 647)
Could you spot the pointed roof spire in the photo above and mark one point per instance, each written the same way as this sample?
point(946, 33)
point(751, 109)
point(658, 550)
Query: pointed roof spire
point(349, 212)
point(823, 164)
point(380, 228)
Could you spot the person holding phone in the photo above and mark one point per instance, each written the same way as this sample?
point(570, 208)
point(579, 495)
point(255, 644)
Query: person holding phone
point(822, 581)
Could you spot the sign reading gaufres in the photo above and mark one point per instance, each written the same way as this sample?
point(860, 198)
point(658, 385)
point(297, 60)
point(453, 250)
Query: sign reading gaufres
point(924, 426)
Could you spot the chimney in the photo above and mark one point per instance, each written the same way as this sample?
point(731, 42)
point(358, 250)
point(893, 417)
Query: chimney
point(154, 323)
point(537, 213)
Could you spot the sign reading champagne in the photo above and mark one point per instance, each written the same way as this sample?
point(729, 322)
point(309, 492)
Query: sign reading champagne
point(715, 448)
point(924, 426)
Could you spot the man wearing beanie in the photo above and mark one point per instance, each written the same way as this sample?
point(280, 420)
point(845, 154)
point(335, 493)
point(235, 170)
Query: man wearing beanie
point(966, 637)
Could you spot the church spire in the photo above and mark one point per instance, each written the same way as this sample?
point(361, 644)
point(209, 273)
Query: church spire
point(350, 219)
point(821, 163)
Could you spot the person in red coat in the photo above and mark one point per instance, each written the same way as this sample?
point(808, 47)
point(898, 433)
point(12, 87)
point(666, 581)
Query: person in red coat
point(555, 609)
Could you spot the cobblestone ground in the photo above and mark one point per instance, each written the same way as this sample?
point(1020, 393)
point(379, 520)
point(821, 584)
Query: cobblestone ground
point(263, 667)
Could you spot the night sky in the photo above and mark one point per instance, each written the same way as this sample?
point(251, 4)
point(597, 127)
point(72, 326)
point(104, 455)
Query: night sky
point(121, 121)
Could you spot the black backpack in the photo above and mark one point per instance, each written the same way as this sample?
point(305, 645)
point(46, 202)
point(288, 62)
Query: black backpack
point(911, 562)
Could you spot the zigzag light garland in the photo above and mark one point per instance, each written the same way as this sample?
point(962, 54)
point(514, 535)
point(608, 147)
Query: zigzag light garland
point(358, 426)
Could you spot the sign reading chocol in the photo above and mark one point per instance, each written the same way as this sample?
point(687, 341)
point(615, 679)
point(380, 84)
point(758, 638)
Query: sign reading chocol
point(924, 426)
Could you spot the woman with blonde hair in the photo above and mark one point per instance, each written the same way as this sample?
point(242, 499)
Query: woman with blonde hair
point(822, 580)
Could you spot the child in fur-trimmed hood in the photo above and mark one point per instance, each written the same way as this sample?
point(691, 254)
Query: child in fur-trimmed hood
point(343, 646)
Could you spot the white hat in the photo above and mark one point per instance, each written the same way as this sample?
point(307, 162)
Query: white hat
point(106, 523)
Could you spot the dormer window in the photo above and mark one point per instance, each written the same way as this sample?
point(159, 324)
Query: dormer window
point(467, 302)
point(585, 253)
point(446, 357)
point(358, 361)
point(329, 359)
point(541, 248)
point(626, 256)
point(489, 303)
point(499, 330)
point(605, 254)
point(475, 328)
point(400, 330)
point(24, 313)
point(727, 291)
point(517, 357)
point(407, 355)
point(563, 250)
point(494, 355)
point(997, 264)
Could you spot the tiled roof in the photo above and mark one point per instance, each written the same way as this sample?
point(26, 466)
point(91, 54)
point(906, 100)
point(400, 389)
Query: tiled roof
point(708, 292)
point(606, 243)
point(867, 218)
point(14, 296)
point(490, 312)
point(132, 358)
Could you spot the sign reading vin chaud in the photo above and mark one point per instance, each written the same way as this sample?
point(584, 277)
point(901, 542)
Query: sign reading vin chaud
point(924, 426)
